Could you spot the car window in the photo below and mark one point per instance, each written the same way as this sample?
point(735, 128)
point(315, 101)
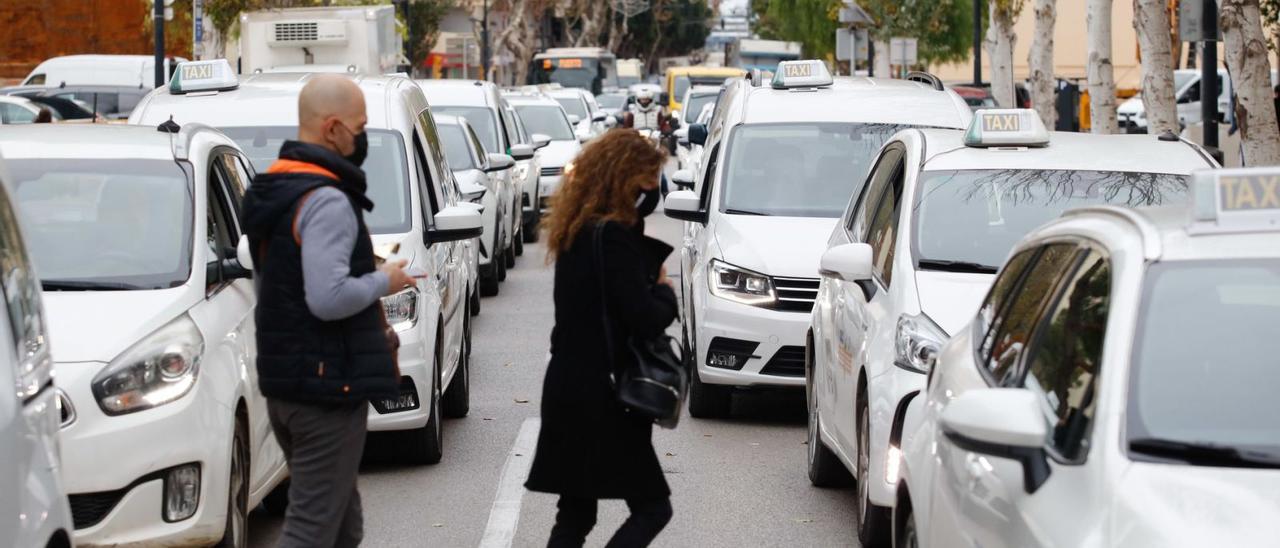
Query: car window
point(238, 177)
point(710, 173)
point(21, 297)
point(425, 183)
point(1067, 353)
point(222, 228)
point(481, 120)
point(102, 103)
point(1008, 340)
point(35, 80)
point(14, 114)
point(889, 163)
point(508, 131)
point(547, 120)
point(994, 307)
point(883, 231)
point(476, 149)
point(432, 145)
point(456, 148)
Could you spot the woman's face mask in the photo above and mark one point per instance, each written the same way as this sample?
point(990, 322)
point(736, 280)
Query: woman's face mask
point(647, 201)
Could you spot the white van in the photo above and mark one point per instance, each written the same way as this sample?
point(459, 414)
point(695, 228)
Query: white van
point(1186, 84)
point(98, 70)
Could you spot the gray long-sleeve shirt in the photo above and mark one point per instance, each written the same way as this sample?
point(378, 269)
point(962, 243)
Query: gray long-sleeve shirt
point(327, 225)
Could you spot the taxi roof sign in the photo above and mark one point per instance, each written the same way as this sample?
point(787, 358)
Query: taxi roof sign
point(212, 75)
point(810, 73)
point(1006, 127)
point(1235, 200)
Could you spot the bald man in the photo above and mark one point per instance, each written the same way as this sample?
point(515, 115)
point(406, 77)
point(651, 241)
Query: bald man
point(324, 347)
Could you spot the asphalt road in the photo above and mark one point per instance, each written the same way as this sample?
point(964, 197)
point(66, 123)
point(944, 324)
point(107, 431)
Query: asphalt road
point(736, 482)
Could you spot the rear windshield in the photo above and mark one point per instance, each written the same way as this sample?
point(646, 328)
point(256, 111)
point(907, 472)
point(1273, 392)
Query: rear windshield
point(573, 106)
point(384, 170)
point(547, 120)
point(481, 120)
point(455, 147)
point(694, 107)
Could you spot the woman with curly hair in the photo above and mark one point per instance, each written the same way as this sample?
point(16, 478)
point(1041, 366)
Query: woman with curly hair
point(590, 447)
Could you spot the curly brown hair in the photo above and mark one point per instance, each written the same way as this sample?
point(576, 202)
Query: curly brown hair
point(606, 179)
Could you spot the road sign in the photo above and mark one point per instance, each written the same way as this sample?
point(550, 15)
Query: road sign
point(197, 29)
point(902, 51)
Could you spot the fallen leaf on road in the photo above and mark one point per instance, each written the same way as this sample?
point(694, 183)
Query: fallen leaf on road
point(508, 364)
point(437, 525)
point(671, 454)
point(803, 520)
point(706, 435)
point(521, 400)
point(487, 419)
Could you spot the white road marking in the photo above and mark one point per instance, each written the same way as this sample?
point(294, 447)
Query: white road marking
point(504, 516)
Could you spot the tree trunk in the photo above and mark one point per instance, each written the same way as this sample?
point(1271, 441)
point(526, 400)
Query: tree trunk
point(1102, 82)
point(1000, 39)
point(1246, 58)
point(1040, 61)
point(1151, 21)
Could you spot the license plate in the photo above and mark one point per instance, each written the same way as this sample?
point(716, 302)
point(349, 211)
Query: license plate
point(403, 402)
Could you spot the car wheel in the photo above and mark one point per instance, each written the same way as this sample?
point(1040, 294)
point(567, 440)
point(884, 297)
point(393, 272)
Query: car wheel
point(489, 278)
point(475, 301)
point(825, 470)
point(870, 519)
point(519, 241)
point(530, 231)
point(236, 533)
point(908, 537)
point(708, 401)
point(277, 501)
point(425, 445)
point(510, 253)
point(457, 399)
point(501, 260)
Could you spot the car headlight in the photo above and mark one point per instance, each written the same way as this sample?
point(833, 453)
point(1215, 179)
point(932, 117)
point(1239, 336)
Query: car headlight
point(741, 285)
point(157, 370)
point(521, 170)
point(401, 309)
point(568, 168)
point(917, 343)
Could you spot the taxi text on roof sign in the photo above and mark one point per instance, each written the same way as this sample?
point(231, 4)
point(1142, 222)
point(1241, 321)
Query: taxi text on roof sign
point(1236, 200)
point(801, 74)
point(212, 75)
point(1006, 127)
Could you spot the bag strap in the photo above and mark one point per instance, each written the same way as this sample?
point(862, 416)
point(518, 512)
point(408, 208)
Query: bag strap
point(597, 246)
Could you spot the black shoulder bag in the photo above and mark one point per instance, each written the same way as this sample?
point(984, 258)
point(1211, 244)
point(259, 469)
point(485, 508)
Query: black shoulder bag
point(656, 387)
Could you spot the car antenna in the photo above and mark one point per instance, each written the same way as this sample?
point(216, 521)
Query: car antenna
point(168, 126)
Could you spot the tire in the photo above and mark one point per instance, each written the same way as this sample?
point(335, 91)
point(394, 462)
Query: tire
point(872, 521)
point(519, 242)
point(510, 253)
point(708, 401)
point(475, 301)
point(489, 278)
point(425, 445)
point(825, 469)
point(501, 260)
point(277, 501)
point(908, 537)
point(236, 532)
point(530, 231)
point(457, 398)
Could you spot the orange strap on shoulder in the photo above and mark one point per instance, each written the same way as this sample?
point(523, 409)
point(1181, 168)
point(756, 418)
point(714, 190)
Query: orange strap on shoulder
point(294, 166)
point(297, 216)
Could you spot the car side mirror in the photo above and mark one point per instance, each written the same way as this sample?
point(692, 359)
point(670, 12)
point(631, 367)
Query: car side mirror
point(684, 205)
point(226, 265)
point(599, 116)
point(683, 178)
point(499, 162)
point(574, 119)
point(540, 140)
point(243, 253)
point(455, 223)
point(682, 136)
point(523, 152)
point(851, 263)
point(1001, 422)
point(698, 134)
point(583, 136)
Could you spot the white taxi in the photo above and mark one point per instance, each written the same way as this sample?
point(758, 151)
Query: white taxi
point(417, 214)
point(1122, 373)
point(584, 112)
point(33, 510)
point(551, 131)
point(133, 233)
point(917, 249)
point(782, 161)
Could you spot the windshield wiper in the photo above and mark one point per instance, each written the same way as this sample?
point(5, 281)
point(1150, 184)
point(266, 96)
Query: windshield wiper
point(81, 285)
point(1204, 453)
point(733, 211)
point(957, 266)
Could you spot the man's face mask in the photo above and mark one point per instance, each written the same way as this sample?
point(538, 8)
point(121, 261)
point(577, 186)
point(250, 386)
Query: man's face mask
point(360, 146)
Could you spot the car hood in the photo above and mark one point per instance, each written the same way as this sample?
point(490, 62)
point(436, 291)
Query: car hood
point(1131, 106)
point(1161, 505)
point(951, 299)
point(777, 246)
point(96, 326)
point(559, 153)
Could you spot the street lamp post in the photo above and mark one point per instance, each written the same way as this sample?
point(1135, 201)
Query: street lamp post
point(977, 43)
point(484, 39)
point(157, 16)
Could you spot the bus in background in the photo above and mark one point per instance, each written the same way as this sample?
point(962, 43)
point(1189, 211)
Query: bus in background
point(679, 79)
point(592, 69)
point(630, 71)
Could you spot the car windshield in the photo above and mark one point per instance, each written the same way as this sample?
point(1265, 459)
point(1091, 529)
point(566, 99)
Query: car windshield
point(481, 120)
point(976, 216)
point(694, 107)
point(547, 120)
point(573, 106)
point(1180, 79)
point(1205, 369)
point(110, 224)
point(682, 85)
point(612, 101)
point(384, 169)
point(455, 147)
point(799, 170)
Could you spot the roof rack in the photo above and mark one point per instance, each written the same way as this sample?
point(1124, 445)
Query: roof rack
point(925, 78)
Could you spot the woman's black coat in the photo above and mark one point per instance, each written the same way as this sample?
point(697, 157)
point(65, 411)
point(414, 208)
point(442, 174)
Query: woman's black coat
point(589, 445)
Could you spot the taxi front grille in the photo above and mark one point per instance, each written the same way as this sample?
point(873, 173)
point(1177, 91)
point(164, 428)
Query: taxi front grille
point(796, 294)
point(552, 171)
point(788, 361)
point(297, 32)
point(89, 508)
